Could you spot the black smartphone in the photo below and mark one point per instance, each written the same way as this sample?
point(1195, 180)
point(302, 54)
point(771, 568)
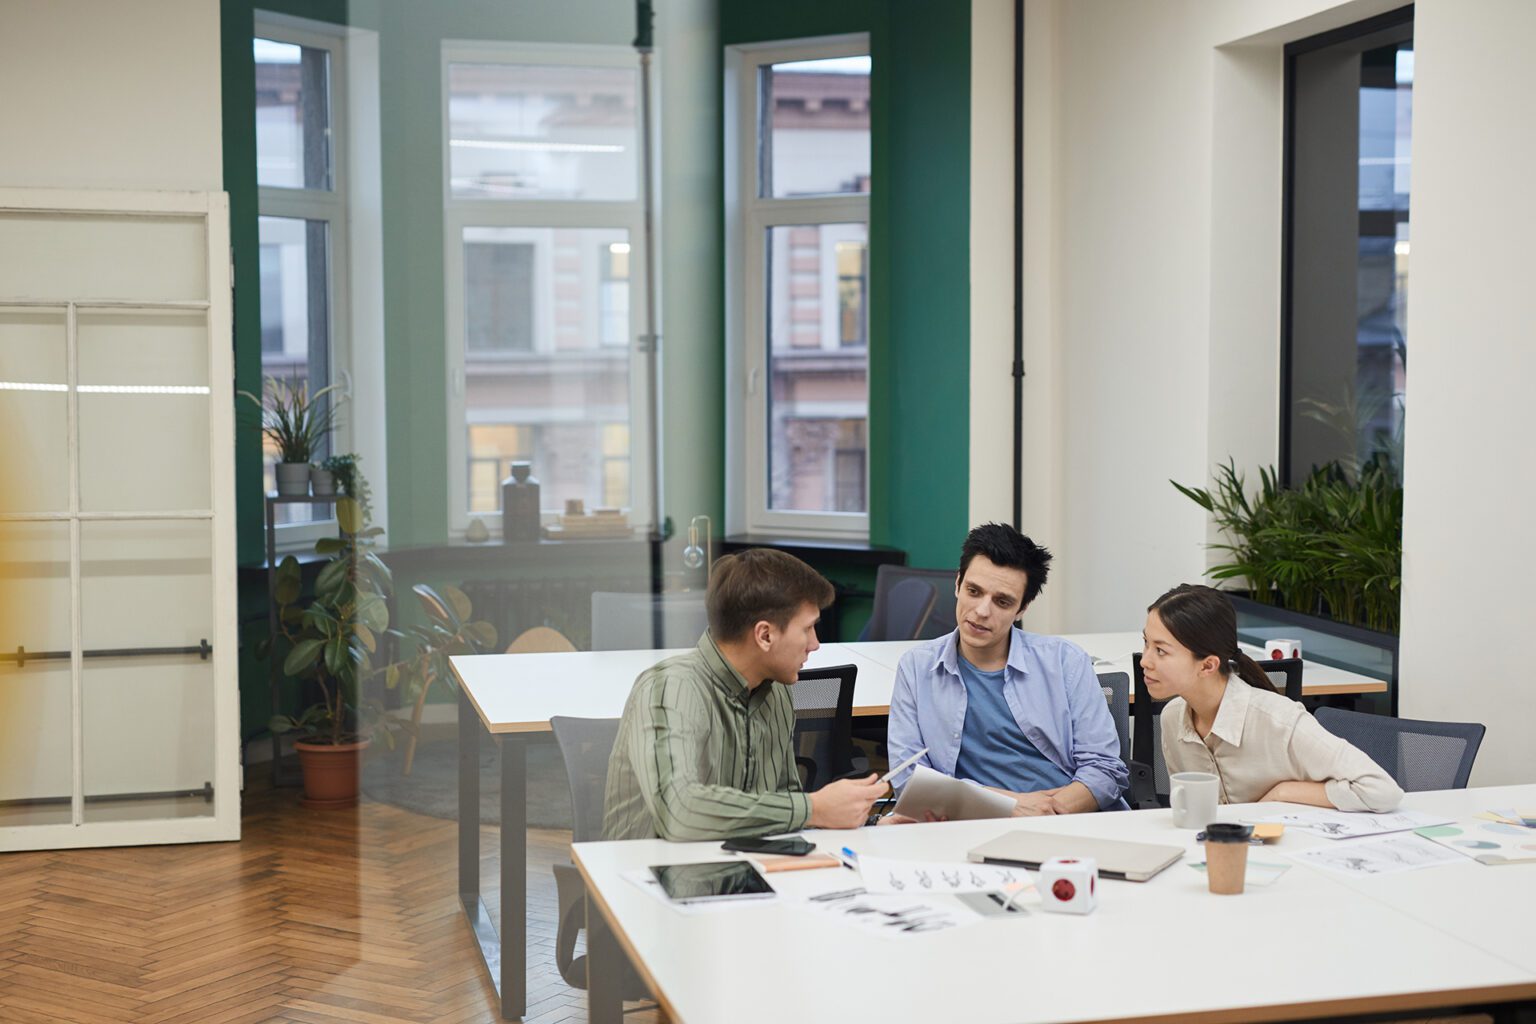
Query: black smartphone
point(791, 846)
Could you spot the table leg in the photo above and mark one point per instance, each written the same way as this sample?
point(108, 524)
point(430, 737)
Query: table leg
point(505, 953)
point(514, 877)
point(606, 967)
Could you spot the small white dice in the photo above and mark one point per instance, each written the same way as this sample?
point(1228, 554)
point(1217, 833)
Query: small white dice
point(1068, 885)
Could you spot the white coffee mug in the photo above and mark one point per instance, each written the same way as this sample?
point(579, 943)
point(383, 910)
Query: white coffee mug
point(1194, 797)
point(1282, 648)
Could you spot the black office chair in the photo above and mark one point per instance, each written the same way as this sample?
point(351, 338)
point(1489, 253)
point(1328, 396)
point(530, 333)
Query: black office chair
point(1139, 791)
point(939, 618)
point(1284, 674)
point(823, 742)
point(586, 744)
point(1419, 755)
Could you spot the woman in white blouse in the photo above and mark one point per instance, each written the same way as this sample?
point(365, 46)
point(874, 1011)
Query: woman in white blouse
point(1226, 718)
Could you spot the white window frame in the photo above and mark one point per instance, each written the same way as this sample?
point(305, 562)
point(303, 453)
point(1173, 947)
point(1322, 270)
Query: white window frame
point(748, 217)
point(459, 213)
point(329, 206)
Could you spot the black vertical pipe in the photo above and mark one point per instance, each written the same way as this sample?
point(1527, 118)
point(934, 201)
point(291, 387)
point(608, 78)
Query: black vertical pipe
point(1018, 264)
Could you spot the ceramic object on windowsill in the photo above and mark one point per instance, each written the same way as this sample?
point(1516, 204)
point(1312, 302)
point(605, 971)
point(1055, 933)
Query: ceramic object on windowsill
point(322, 482)
point(292, 479)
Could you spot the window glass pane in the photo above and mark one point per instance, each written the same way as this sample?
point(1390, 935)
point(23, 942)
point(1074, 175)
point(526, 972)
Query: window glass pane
point(293, 115)
point(295, 324)
point(542, 131)
point(1347, 365)
point(546, 325)
point(818, 399)
point(34, 412)
point(815, 132)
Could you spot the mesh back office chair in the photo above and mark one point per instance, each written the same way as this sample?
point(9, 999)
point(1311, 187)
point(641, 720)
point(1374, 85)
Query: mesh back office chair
point(940, 618)
point(1418, 755)
point(1147, 743)
point(586, 744)
point(823, 742)
point(1117, 690)
point(624, 621)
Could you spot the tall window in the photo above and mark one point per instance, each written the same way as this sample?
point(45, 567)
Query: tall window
point(543, 222)
point(799, 221)
point(1349, 119)
point(302, 206)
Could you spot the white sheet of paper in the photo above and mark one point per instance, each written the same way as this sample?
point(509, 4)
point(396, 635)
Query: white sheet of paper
point(951, 798)
point(1386, 855)
point(893, 914)
point(920, 877)
point(1352, 824)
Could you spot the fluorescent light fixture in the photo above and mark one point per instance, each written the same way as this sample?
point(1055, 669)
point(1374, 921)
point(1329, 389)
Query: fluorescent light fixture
point(110, 389)
point(618, 248)
point(539, 147)
point(143, 389)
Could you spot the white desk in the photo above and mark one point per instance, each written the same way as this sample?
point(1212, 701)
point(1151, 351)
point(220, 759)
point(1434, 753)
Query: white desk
point(1312, 944)
point(1112, 653)
point(512, 695)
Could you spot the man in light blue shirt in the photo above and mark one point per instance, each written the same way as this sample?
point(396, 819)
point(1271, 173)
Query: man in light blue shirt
point(1020, 712)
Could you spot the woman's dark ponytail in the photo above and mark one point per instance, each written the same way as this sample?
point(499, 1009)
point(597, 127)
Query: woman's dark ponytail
point(1251, 673)
point(1202, 619)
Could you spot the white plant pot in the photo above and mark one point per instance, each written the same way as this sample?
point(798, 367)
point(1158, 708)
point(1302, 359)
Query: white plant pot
point(322, 482)
point(292, 479)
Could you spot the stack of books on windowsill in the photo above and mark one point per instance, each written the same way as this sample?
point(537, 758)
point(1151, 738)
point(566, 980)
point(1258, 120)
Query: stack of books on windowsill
point(601, 524)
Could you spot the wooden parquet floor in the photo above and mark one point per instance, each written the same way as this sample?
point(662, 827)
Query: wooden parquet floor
point(314, 917)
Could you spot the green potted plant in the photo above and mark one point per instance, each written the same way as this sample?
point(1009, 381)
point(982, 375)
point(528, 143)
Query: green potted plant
point(450, 629)
point(332, 639)
point(296, 423)
point(344, 471)
point(1330, 547)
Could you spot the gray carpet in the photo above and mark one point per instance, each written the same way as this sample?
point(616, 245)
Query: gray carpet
point(432, 788)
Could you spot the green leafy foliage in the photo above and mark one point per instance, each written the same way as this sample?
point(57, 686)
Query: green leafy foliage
point(295, 421)
point(1333, 545)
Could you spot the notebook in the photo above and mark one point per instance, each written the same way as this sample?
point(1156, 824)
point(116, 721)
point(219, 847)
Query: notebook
point(1116, 858)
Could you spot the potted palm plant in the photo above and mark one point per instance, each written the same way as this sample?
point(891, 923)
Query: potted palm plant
point(296, 423)
point(332, 639)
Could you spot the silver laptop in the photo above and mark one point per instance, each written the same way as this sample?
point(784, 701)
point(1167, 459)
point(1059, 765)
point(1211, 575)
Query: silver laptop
point(1116, 858)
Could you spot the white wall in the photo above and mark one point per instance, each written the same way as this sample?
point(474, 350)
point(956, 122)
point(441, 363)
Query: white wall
point(1151, 280)
point(1470, 476)
point(110, 95)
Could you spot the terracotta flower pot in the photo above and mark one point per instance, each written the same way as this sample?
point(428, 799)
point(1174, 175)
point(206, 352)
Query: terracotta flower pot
point(330, 772)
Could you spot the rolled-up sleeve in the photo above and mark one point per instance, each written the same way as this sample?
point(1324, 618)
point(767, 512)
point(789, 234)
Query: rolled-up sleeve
point(1351, 779)
point(1095, 742)
point(904, 734)
point(670, 736)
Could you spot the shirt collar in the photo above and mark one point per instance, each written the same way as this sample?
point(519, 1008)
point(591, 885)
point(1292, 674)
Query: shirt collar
point(1233, 711)
point(1230, 716)
point(721, 673)
point(949, 658)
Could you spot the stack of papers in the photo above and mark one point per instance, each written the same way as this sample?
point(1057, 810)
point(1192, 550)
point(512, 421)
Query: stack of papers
point(1487, 842)
point(1352, 824)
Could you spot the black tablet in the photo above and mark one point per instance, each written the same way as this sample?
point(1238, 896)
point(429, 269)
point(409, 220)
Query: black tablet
point(713, 880)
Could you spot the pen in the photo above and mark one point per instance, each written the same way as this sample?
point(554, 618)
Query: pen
point(888, 776)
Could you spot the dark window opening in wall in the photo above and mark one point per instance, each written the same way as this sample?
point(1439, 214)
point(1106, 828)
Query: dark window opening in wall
point(1349, 115)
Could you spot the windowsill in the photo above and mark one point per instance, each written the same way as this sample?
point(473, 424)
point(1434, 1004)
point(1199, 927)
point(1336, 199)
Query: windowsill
point(806, 548)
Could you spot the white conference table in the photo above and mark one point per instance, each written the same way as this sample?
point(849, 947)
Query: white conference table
point(1312, 944)
point(512, 696)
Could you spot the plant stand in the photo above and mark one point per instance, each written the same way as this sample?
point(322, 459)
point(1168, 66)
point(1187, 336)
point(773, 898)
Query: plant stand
point(274, 667)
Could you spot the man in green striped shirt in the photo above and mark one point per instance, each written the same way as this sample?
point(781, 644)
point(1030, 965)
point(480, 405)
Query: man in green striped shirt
point(705, 748)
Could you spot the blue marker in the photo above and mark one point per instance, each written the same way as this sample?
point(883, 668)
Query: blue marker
point(850, 859)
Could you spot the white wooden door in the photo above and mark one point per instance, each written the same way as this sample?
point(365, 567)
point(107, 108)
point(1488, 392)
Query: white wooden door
point(119, 713)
